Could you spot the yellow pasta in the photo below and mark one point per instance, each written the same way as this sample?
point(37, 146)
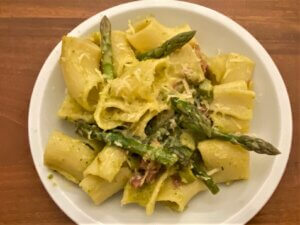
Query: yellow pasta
point(232, 160)
point(185, 63)
point(127, 98)
point(107, 163)
point(145, 196)
point(217, 67)
point(95, 37)
point(123, 55)
point(72, 111)
point(231, 67)
point(240, 85)
point(177, 197)
point(229, 124)
point(149, 33)
point(238, 67)
point(233, 102)
point(80, 66)
point(68, 156)
point(224, 117)
point(99, 189)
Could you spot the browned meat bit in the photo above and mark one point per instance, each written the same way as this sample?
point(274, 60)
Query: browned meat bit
point(204, 108)
point(176, 180)
point(146, 173)
point(144, 165)
point(200, 55)
point(137, 180)
point(178, 86)
point(152, 170)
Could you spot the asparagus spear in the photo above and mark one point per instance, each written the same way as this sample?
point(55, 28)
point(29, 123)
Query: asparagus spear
point(173, 143)
point(93, 132)
point(168, 46)
point(200, 172)
point(187, 156)
point(168, 133)
point(255, 144)
point(205, 90)
point(183, 153)
point(159, 121)
point(195, 120)
point(106, 49)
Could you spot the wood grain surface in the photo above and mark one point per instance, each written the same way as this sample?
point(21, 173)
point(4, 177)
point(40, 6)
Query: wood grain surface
point(29, 29)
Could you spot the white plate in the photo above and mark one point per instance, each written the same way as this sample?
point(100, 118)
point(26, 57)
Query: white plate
point(272, 121)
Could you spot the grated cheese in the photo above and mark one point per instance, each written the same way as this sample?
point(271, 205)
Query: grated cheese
point(213, 171)
point(131, 29)
point(82, 55)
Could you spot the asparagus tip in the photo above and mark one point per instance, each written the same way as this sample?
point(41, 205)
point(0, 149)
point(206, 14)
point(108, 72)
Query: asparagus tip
point(105, 23)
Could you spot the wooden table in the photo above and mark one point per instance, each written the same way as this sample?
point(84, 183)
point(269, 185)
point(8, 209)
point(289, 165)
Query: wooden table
point(30, 29)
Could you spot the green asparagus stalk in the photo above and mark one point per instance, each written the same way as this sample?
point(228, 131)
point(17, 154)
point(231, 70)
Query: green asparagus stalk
point(200, 172)
point(168, 134)
point(205, 91)
point(106, 49)
point(183, 153)
point(93, 132)
point(255, 144)
point(194, 120)
point(158, 122)
point(174, 144)
point(197, 121)
point(168, 46)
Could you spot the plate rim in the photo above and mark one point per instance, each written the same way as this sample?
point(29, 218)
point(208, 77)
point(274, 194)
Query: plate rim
point(262, 195)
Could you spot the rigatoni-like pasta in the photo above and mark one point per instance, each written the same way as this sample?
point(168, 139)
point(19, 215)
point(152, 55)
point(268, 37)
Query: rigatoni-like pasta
point(231, 67)
point(177, 197)
point(232, 160)
point(232, 107)
point(80, 67)
point(185, 63)
point(99, 189)
point(68, 156)
point(107, 163)
point(230, 124)
point(72, 111)
point(234, 102)
point(149, 33)
point(127, 98)
point(123, 55)
point(145, 196)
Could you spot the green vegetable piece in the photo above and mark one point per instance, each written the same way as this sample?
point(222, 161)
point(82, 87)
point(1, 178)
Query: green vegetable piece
point(168, 46)
point(193, 119)
point(200, 172)
point(159, 154)
point(183, 153)
point(106, 49)
point(50, 176)
point(205, 90)
point(217, 67)
point(186, 174)
point(159, 121)
point(133, 162)
point(255, 144)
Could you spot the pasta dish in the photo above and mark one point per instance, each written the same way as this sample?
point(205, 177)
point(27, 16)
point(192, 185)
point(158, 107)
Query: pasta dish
point(155, 117)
